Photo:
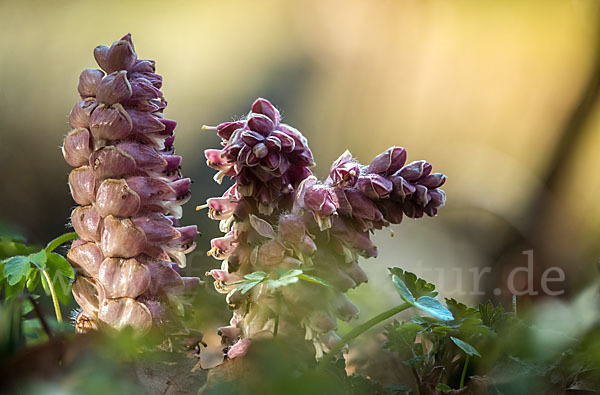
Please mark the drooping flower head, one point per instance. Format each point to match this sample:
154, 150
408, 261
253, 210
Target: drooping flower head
130, 190
292, 242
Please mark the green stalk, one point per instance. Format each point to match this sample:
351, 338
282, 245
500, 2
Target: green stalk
359, 330
464, 372
60, 240
275, 330
53, 293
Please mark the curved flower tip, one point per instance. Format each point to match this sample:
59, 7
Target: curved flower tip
388, 162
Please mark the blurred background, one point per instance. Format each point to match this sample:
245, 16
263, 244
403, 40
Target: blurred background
500, 96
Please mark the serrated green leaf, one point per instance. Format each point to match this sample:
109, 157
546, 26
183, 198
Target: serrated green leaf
401, 338
256, 276
38, 259
491, 316
433, 307
443, 387
405, 293
466, 347
15, 269
58, 262
460, 311
417, 286
314, 279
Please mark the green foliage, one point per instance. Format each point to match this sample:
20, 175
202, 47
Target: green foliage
534, 355
285, 278
30, 270
419, 293
417, 287
466, 347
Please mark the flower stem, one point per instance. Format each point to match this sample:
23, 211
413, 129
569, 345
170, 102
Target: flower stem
275, 330
60, 240
464, 372
359, 330
53, 293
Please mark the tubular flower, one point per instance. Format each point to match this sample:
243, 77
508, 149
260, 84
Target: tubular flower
292, 242
130, 190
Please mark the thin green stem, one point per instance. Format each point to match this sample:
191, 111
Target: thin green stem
359, 330
464, 372
60, 240
54, 298
276, 328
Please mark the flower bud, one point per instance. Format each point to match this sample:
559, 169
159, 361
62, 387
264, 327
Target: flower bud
122, 312
88, 81
77, 147
82, 184
415, 170
114, 197
114, 88
81, 112
110, 123
374, 186
123, 277
344, 171
388, 162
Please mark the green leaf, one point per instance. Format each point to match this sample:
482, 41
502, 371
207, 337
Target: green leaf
444, 387
417, 286
33, 280
27, 305
410, 287
60, 240
433, 307
401, 338
62, 287
290, 273
314, 279
38, 259
282, 282
491, 316
12, 290
405, 293
58, 262
460, 311
60, 283
285, 278
15, 269
247, 286
466, 347
259, 276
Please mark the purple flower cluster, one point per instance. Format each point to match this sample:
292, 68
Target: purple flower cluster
130, 190
292, 243
266, 158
